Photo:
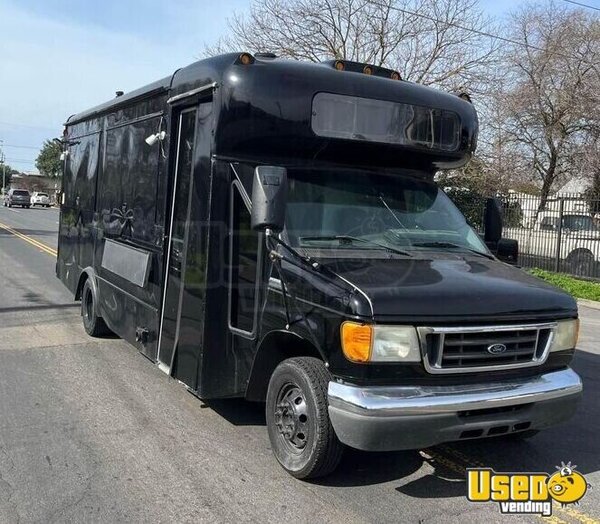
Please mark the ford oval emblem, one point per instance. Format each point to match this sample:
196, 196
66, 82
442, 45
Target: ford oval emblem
496, 349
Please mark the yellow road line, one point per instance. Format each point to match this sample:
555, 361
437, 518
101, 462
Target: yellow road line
30, 240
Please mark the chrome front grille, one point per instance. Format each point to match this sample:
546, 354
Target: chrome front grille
484, 348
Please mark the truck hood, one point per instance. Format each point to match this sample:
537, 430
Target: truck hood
436, 288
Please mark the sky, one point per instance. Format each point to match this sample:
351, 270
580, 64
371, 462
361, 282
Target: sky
58, 57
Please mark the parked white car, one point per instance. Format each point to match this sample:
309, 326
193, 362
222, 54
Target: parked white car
579, 241
40, 199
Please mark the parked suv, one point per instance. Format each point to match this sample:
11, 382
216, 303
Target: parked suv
17, 197
40, 199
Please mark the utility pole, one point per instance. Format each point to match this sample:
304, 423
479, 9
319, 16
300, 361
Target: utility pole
2, 158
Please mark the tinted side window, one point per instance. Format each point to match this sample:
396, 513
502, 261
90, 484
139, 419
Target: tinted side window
82, 167
127, 190
548, 224
243, 265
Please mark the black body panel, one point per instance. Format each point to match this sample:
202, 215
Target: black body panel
118, 187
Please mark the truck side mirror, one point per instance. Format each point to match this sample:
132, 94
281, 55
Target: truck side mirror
492, 222
269, 198
507, 250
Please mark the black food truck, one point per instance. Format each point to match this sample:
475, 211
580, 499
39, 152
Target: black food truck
270, 229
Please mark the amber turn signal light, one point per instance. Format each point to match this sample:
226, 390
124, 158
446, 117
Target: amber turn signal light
356, 341
339, 65
245, 59
368, 70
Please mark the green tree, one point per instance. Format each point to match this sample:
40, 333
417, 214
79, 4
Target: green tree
48, 161
7, 171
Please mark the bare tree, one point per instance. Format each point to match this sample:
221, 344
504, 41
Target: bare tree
434, 42
551, 103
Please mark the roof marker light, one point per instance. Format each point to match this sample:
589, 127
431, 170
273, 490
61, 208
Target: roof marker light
465, 96
368, 70
245, 59
339, 65
395, 75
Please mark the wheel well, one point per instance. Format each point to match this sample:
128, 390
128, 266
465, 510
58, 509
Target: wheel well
276, 347
82, 278
580, 251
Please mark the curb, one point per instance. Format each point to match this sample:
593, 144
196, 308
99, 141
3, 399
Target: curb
588, 303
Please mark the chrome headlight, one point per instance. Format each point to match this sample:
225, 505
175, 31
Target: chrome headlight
565, 335
395, 344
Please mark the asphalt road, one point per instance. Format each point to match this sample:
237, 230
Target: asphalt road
91, 431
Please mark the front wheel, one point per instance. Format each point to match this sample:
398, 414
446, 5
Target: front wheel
301, 434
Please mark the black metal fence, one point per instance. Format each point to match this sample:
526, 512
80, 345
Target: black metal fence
563, 235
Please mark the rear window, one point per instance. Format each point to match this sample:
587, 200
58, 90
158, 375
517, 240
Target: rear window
21, 193
365, 119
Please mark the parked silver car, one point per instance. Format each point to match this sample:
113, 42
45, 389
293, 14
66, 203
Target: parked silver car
17, 197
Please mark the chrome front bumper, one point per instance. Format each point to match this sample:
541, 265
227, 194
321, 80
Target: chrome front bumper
382, 418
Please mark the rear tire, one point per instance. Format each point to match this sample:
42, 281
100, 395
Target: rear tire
581, 263
301, 434
92, 323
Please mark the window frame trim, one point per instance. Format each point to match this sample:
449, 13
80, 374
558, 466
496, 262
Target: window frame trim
236, 184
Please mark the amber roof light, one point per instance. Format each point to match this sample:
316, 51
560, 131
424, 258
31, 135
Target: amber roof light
246, 59
339, 65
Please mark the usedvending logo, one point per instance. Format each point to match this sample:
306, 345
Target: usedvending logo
527, 493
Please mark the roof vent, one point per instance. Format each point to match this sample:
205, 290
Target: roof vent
119, 93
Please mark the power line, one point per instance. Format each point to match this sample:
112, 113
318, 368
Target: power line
4, 122
20, 160
21, 146
582, 5
482, 33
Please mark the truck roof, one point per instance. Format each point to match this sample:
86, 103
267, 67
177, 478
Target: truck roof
266, 102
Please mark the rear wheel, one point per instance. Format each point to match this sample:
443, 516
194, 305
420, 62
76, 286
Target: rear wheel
92, 323
581, 263
301, 434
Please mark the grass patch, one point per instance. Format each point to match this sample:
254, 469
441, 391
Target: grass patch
576, 287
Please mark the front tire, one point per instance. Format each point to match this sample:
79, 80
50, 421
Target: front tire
92, 323
301, 434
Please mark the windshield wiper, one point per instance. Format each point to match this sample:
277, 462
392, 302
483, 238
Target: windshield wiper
347, 239
452, 246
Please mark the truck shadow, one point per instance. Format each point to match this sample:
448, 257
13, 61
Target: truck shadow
445, 465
